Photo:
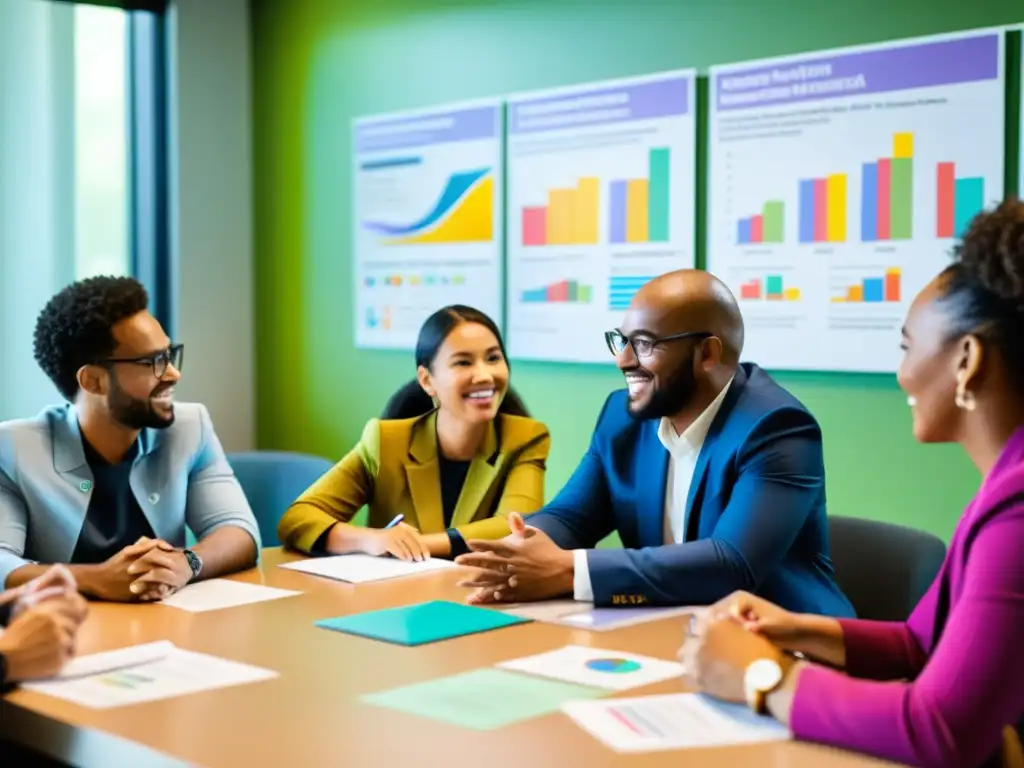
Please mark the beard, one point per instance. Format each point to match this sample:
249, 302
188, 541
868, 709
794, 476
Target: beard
670, 399
133, 413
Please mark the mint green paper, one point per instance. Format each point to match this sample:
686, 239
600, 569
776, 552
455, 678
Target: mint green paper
483, 699
423, 623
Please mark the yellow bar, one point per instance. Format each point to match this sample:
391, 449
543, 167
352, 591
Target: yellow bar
855, 293
636, 211
792, 294
585, 211
838, 299
835, 195
559, 222
902, 145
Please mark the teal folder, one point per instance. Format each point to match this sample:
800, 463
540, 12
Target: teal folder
423, 623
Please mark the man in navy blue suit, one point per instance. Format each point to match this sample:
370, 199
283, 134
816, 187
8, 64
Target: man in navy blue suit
711, 473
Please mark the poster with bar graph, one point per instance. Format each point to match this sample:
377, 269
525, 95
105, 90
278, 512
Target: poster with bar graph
427, 218
599, 201
839, 182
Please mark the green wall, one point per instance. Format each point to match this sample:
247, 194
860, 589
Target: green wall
319, 63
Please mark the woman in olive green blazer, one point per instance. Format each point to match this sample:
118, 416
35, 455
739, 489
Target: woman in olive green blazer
452, 474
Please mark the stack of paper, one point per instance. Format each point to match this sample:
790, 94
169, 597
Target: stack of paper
597, 667
672, 721
144, 673
216, 594
360, 569
581, 615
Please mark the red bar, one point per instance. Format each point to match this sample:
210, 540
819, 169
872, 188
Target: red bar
751, 289
820, 211
946, 199
535, 226
884, 190
757, 229
559, 291
892, 285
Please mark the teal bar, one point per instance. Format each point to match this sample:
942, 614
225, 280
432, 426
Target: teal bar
657, 195
970, 199
773, 286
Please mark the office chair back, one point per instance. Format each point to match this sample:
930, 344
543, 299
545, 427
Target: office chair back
272, 480
883, 568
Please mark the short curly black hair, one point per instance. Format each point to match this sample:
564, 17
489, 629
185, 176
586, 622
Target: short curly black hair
75, 326
984, 287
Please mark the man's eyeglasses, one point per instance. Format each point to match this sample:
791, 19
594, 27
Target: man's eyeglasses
643, 346
173, 355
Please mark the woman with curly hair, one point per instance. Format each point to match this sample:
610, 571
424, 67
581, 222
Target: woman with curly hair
946, 687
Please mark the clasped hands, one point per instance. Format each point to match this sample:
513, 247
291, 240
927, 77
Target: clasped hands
526, 565
148, 570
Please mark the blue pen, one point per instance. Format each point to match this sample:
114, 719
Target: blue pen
396, 521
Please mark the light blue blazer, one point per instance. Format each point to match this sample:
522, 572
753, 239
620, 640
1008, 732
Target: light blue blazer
180, 476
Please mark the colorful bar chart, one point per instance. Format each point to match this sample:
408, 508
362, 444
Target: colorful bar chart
562, 292
772, 288
622, 288
959, 201
765, 227
638, 209
569, 218
887, 193
873, 290
822, 211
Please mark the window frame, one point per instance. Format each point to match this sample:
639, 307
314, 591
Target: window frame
148, 134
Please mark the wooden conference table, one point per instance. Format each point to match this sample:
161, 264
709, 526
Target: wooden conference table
311, 716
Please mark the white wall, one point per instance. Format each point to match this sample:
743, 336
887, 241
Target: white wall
211, 205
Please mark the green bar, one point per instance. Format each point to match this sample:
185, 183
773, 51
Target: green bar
657, 196
969, 197
901, 198
771, 226
584, 294
773, 285
570, 290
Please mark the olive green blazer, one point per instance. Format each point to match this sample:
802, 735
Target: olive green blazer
394, 469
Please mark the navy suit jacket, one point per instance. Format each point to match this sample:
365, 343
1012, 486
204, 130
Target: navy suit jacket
755, 511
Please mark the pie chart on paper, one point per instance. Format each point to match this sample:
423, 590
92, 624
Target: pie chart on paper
613, 665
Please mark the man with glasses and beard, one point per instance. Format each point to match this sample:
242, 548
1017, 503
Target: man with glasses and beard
711, 473
107, 482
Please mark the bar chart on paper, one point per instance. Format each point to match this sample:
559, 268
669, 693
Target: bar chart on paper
839, 183
599, 202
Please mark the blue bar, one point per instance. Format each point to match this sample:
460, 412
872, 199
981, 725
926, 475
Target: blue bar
622, 289
806, 210
869, 203
969, 199
535, 295
617, 212
389, 162
744, 231
874, 289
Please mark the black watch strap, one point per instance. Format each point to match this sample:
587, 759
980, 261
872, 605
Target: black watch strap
194, 562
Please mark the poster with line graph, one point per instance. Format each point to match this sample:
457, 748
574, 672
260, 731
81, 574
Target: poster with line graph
599, 201
427, 218
839, 182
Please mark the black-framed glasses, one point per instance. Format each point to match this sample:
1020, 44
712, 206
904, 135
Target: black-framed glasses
159, 362
643, 346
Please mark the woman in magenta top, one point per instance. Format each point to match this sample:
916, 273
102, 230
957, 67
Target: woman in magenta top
946, 688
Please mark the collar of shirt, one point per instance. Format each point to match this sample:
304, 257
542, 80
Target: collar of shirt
693, 436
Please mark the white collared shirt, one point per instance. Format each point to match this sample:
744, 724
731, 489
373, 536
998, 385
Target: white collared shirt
683, 450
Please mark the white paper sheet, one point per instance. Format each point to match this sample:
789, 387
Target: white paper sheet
108, 661
583, 615
672, 721
597, 667
177, 673
360, 569
215, 594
